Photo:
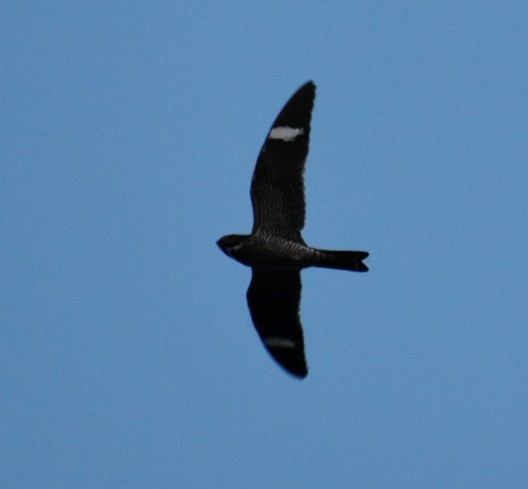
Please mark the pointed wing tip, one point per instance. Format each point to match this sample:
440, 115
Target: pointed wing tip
305, 92
297, 369
294, 364
309, 86
300, 375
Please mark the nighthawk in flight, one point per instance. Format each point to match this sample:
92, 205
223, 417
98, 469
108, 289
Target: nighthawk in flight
275, 249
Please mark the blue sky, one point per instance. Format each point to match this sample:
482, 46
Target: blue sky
129, 136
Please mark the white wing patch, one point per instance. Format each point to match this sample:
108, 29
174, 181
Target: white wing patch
277, 342
287, 134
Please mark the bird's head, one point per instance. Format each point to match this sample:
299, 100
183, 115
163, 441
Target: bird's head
231, 243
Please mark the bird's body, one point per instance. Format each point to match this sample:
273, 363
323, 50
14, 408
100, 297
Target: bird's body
275, 250
260, 250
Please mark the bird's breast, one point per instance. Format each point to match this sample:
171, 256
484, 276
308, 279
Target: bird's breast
271, 251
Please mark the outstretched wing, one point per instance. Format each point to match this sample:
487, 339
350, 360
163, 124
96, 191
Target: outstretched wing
274, 298
277, 188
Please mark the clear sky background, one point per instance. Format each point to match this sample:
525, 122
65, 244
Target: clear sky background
129, 133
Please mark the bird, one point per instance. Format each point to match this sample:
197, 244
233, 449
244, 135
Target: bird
275, 249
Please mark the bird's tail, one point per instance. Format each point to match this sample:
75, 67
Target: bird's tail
341, 260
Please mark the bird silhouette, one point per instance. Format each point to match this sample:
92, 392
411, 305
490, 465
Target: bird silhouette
275, 249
